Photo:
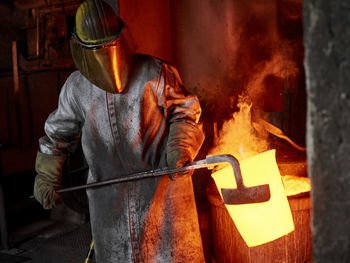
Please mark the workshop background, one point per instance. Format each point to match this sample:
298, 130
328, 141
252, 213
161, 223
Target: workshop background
224, 50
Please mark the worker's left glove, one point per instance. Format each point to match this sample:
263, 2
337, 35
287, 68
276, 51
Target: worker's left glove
183, 144
47, 181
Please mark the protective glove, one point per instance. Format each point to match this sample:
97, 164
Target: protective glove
184, 141
47, 181
177, 159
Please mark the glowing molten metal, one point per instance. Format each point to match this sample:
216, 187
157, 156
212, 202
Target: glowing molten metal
261, 222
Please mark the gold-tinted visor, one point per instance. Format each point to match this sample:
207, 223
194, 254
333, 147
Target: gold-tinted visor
103, 65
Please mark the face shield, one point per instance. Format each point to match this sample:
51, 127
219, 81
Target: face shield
105, 64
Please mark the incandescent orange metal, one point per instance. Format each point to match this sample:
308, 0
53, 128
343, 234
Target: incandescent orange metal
261, 222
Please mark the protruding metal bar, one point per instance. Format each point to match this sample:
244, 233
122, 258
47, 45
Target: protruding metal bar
138, 176
240, 195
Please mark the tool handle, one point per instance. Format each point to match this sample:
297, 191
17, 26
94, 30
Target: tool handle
205, 163
137, 176
233, 162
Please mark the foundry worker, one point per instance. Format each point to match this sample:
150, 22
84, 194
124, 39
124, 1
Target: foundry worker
132, 115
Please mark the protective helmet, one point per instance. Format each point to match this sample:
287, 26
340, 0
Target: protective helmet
96, 23
98, 50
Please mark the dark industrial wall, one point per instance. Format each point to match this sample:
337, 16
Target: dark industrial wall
327, 63
225, 47
10, 30
149, 26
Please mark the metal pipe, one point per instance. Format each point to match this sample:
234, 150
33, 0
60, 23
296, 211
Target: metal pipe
15, 69
37, 19
16, 92
138, 176
241, 195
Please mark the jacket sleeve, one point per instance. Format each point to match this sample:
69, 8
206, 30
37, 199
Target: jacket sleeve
182, 111
63, 126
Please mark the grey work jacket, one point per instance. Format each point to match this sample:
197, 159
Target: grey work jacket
150, 220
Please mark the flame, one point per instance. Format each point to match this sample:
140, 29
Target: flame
261, 222
257, 223
238, 137
116, 68
294, 185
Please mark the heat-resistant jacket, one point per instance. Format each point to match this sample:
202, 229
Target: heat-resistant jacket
150, 220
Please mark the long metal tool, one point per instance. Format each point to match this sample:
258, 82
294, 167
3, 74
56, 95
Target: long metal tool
240, 195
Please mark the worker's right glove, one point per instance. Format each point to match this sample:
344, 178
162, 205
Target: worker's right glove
177, 159
47, 181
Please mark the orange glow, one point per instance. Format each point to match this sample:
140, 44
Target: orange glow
116, 68
294, 185
261, 222
238, 137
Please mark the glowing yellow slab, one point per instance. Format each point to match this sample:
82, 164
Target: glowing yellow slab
259, 223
